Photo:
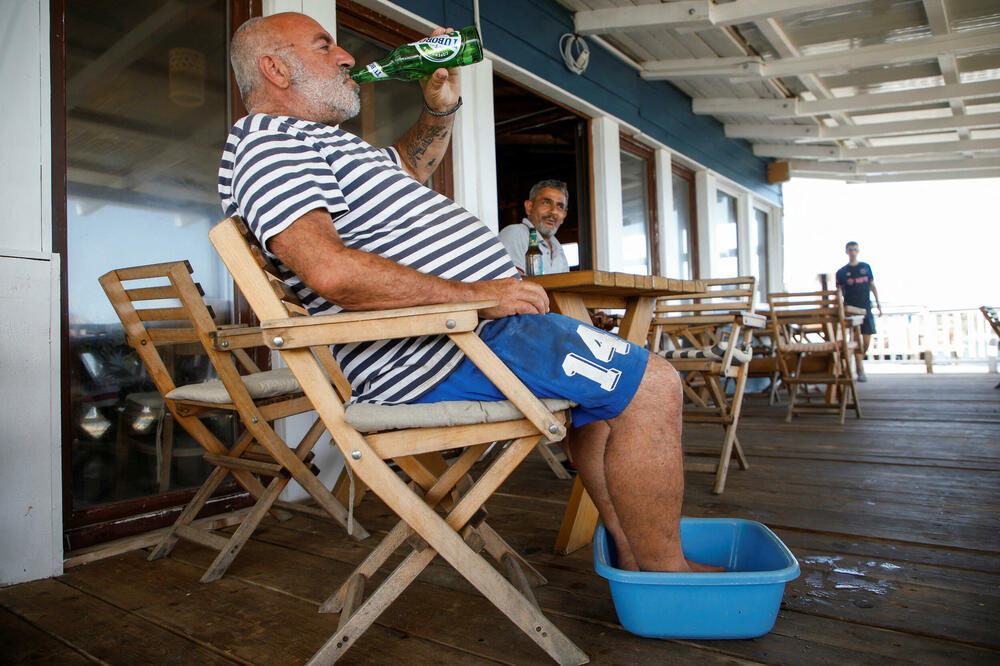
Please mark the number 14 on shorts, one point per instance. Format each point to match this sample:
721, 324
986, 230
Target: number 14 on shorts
603, 346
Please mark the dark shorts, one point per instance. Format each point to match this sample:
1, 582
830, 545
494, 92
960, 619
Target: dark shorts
555, 357
868, 325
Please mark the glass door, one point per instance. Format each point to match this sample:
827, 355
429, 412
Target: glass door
147, 98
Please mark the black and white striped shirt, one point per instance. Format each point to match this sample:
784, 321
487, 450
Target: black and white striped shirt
276, 169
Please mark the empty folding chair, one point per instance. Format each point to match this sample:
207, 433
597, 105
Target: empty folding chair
814, 347
711, 338
172, 311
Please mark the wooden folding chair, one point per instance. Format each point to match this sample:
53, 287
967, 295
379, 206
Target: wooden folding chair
172, 311
711, 338
411, 435
814, 347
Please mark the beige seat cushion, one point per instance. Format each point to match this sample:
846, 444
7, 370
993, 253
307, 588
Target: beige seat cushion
259, 385
367, 417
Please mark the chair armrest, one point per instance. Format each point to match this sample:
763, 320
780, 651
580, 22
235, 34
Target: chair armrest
752, 320
228, 339
854, 310
346, 327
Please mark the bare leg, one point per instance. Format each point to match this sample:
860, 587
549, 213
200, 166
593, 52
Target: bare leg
642, 486
588, 444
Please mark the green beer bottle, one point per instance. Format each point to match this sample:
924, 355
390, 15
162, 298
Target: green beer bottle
419, 59
533, 257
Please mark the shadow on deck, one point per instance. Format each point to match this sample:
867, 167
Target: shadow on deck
894, 520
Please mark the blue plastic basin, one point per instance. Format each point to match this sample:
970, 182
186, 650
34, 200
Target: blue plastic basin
741, 602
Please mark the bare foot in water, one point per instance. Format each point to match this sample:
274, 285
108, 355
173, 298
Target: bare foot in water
702, 568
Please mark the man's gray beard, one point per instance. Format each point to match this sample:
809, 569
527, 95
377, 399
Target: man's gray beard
544, 233
329, 101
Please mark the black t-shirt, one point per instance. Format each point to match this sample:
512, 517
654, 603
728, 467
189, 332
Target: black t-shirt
855, 282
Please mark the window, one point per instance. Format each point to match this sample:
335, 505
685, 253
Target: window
683, 246
758, 256
639, 239
725, 221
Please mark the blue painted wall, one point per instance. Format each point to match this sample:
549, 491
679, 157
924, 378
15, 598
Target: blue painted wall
527, 32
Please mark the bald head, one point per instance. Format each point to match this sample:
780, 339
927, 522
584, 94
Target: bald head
288, 64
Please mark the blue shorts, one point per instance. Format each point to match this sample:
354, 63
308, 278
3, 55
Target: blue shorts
555, 357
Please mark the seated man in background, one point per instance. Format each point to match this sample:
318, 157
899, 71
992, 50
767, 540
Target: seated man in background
545, 210
351, 227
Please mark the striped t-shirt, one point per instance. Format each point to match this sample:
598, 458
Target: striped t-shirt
276, 169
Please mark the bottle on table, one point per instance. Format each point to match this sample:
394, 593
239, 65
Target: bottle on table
533, 257
420, 59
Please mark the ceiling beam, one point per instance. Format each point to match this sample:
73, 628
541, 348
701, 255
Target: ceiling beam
965, 164
937, 18
944, 175
825, 63
691, 14
791, 108
806, 133
838, 153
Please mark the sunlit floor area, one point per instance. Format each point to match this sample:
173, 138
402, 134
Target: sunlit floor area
894, 518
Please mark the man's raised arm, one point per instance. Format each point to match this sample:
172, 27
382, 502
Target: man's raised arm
357, 280
423, 146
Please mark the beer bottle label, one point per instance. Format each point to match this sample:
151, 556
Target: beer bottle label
376, 71
441, 48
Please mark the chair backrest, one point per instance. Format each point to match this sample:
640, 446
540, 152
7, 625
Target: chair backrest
264, 288
822, 309
722, 296
709, 309
155, 316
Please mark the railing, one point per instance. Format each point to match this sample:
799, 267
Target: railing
922, 335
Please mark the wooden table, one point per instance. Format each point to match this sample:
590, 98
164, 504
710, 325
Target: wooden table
571, 294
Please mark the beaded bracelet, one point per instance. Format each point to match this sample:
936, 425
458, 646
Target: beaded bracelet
439, 114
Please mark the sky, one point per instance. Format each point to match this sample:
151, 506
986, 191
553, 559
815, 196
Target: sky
930, 243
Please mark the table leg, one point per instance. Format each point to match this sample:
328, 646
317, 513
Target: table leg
578, 522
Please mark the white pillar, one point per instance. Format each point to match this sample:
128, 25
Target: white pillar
776, 251
324, 11
666, 221
473, 146
606, 158
743, 220
704, 194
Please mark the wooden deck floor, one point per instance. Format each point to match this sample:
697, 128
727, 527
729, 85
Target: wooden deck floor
895, 520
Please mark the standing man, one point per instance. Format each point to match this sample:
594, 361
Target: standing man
546, 207
352, 228
856, 282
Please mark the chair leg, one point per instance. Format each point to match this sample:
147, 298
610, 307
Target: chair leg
793, 390
500, 550
242, 534
552, 461
472, 567
189, 513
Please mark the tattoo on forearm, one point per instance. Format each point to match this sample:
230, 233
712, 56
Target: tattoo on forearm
423, 139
